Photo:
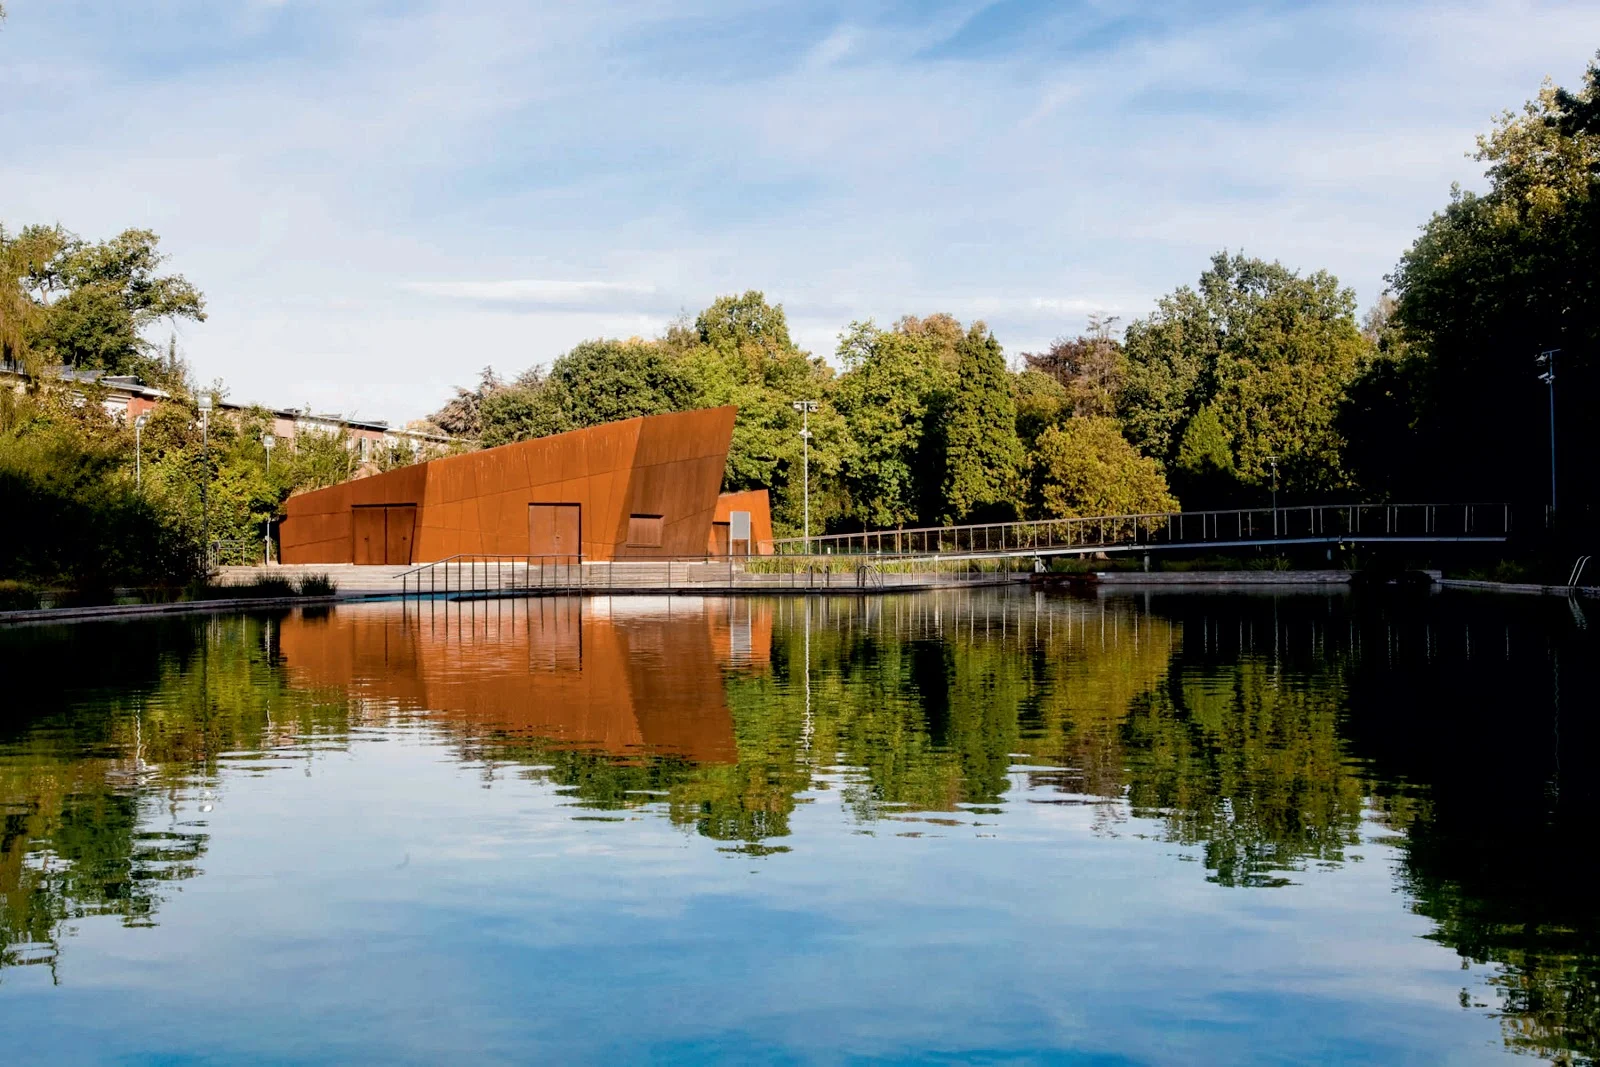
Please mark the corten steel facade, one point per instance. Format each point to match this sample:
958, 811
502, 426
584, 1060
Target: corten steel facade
639, 489
754, 503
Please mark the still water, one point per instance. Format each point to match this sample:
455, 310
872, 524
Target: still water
982, 825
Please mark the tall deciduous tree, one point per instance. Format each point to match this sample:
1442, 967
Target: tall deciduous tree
1270, 350
738, 351
983, 458
889, 395
97, 299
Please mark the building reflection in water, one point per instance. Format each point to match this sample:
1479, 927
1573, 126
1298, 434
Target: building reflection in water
623, 676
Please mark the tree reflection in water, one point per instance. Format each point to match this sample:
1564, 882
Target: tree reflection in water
1263, 731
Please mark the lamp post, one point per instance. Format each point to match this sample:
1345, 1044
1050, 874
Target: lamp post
267, 441
1547, 360
805, 408
204, 403
138, 451
1272, 461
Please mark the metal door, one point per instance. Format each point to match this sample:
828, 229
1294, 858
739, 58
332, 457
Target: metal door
367, 532
554, 530
400, 522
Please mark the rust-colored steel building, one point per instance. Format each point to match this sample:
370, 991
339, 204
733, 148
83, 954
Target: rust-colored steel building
638, 489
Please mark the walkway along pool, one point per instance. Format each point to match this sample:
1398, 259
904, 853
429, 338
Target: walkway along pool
967, 823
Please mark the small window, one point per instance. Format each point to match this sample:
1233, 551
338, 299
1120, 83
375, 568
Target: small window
644, 531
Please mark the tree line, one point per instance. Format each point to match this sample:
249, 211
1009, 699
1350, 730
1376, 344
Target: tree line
1257, 375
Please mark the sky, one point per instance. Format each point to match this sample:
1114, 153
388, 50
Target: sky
380, 199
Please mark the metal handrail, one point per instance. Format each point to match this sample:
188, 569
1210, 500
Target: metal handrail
496, 574
1239, 525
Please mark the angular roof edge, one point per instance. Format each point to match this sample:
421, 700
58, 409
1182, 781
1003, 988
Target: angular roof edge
415, 469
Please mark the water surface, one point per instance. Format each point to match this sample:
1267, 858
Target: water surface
969, 825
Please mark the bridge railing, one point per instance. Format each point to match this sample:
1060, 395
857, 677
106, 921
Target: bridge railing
1240, 526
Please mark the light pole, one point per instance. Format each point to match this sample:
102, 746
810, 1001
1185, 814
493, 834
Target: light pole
805, 408
138, 451
267, 441
204, 403
1547, 360
1272, 461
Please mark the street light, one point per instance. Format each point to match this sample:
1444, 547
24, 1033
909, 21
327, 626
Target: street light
1272, 461
1547, 360
138, 451
805, 408
204, 403
267, 441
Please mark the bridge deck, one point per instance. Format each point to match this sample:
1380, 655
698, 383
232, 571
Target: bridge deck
1173, 531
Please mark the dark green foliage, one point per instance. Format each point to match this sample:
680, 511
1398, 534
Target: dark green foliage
90, 302
1203, 473
1493, 280
983, 458
520, 413
596, 382
604, 381
1271, 351
889, 396
71, 514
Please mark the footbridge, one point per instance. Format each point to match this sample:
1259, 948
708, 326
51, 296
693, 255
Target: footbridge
1172, 531
924, 557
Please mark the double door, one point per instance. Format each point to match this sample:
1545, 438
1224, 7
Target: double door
554, 531
382, 533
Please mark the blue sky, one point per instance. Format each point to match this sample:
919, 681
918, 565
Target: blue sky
380, 198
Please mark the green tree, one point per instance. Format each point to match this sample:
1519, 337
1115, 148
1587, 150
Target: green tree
98, 298
1086, 467
73, 516
1271, 350
22, 256
462, 414
1203, 471
983, 458
606, 381
738, 351
1492, 280
891, 384
1041, 402
596, 382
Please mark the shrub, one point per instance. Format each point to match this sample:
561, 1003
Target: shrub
317, 585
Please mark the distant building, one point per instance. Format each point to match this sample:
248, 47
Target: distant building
644, 488
126, 397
